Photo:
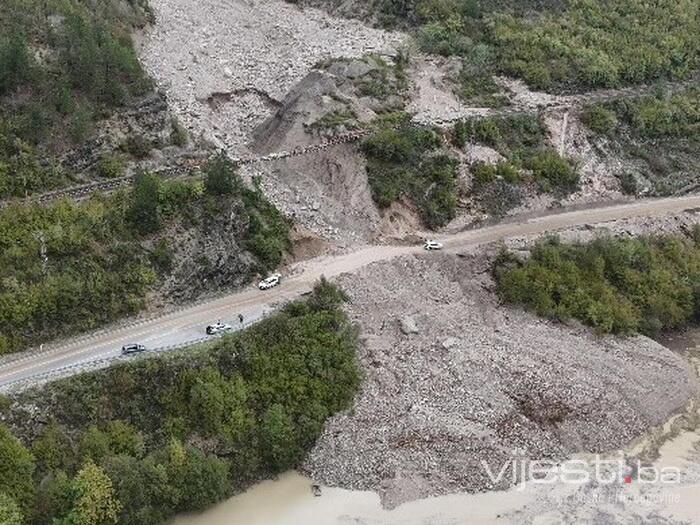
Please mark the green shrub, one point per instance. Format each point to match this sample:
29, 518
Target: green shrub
268, 230
554, 172
402, 162
16, 471
162, 257
438, 39
435, 191
599, 119
138, 146
220, 179
110, 166
483, 173
14, 63
144, 212
486, 173
628, 183
677, 115
510, 136
178, 134
22, 172
615, 285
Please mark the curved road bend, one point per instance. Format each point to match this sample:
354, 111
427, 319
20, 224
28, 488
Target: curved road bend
188, 324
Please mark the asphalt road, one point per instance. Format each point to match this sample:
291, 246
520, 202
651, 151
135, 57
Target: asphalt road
188, 324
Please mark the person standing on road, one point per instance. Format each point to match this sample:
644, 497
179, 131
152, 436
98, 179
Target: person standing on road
240, 318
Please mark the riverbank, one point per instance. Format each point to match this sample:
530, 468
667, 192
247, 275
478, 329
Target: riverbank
289, 500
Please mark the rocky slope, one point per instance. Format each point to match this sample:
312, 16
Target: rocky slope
259, 77
246, 54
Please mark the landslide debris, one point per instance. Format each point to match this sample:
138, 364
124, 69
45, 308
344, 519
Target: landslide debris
196, 50
480, 382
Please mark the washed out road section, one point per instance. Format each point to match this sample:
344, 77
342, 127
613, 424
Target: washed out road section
189, 324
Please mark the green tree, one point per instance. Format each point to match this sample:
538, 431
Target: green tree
53, 449
278, 439
198, 479
94, 498
10, 513
144, 212
124, 439
144, 487
14, 62
94, 445
221, 176
16, 470
54, 497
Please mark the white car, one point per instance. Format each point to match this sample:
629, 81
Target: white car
218, 328
432, 245
133, 348
272, 281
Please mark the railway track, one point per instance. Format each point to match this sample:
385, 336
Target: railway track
561, 103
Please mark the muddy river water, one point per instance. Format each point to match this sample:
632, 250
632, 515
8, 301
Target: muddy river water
289, 500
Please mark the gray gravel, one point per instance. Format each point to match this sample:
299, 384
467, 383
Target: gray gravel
480, 382
250, 52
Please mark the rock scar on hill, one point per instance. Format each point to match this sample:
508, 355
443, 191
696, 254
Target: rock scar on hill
252, 51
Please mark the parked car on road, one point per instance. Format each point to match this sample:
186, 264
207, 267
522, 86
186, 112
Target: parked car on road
432, 245
272, 281
218, 328
132, 348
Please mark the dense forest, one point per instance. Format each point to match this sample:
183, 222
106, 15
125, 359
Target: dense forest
73, 266
144, 440
618, 285
64, 66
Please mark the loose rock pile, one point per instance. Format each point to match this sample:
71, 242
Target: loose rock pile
254, 50
467, 381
